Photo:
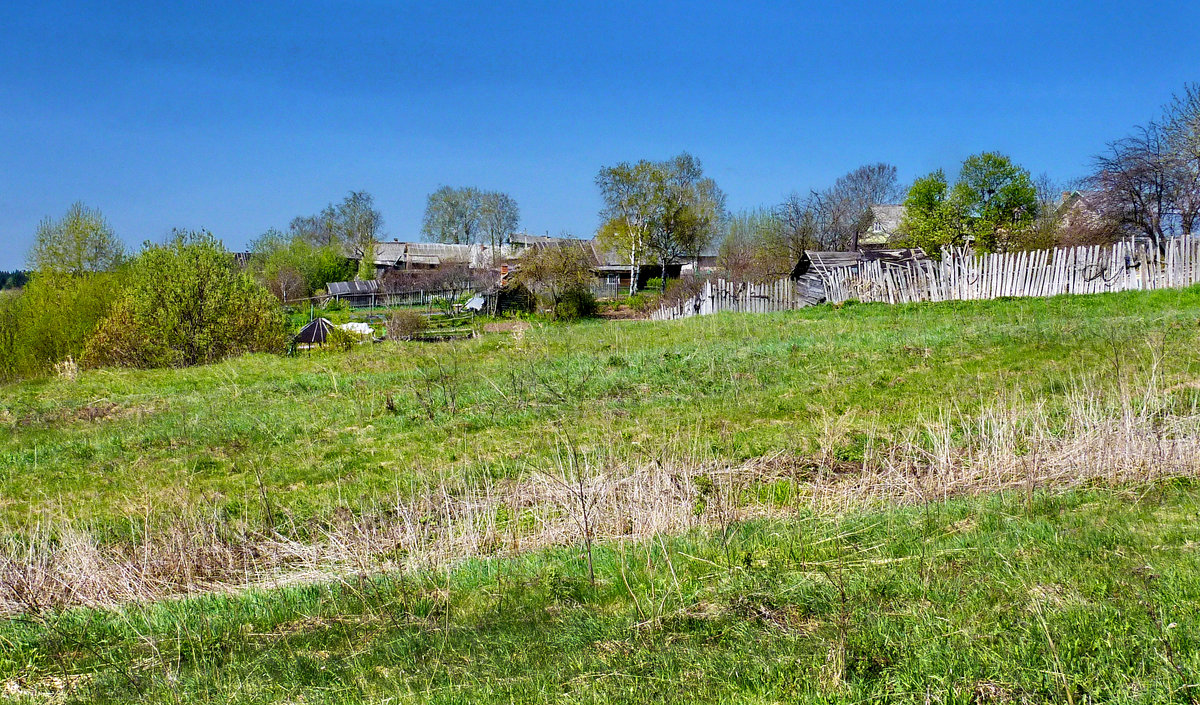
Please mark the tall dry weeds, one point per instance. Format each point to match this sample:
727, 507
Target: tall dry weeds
1020, 447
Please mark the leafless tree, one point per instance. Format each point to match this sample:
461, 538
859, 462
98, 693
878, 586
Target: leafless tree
754, 248
286, 283
1149, 183
849, 201
499, 217
835, 218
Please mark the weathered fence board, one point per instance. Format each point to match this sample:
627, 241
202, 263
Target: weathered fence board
963, 275
1077, 270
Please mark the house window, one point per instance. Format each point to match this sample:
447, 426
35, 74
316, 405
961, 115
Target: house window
613, 280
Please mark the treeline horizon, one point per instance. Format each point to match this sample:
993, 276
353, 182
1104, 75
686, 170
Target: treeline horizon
80, 277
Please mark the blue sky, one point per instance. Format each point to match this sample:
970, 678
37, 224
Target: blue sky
237, 116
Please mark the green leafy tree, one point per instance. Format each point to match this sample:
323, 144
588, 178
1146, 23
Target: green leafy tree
659, 211
929, 221
691, 210
80, 241
630, 193
291, 267
187, 303
993, 205
995, 199
366, 262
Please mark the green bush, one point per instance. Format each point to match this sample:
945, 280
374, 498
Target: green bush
642, 302
52, 319
654, 284
186, 303
575, 303
340, 339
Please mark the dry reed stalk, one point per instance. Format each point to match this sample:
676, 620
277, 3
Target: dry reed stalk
1013, 448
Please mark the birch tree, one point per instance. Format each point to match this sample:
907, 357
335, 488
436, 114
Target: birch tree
81, 241
631, 203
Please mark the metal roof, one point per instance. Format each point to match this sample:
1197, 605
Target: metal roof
355, 287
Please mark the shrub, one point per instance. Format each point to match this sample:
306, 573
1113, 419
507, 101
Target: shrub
187, 303
341, 339
404, 324
575, 303
654, 284
52, 319
682, 289
642, 302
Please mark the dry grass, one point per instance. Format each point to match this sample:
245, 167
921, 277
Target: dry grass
583, 499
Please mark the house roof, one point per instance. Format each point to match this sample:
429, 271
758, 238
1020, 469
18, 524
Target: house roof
399, 254
822, 262
526, 239
355, 287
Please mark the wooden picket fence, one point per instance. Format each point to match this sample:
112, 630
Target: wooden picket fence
962, 275
721, 295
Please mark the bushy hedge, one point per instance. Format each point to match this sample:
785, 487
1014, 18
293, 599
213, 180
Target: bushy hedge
52, 319
575, 303
186, 303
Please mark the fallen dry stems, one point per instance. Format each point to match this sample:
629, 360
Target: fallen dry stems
1019, 448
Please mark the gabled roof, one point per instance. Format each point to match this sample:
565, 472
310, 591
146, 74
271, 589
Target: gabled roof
887, 216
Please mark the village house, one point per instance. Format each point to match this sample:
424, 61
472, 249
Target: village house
885, 226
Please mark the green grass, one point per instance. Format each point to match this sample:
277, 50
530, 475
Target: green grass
1091, 596
1087, 595
315, 432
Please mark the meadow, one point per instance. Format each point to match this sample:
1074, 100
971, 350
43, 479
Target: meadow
319, 431
1085, 596
961, 502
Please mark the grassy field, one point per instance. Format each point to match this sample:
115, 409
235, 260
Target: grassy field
1086, 596
952, 503
316, 433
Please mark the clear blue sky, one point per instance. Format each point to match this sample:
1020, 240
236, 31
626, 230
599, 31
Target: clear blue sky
237, 116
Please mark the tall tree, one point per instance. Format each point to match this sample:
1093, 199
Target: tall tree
690, 214
992, 205
453, 216
849, 202
349, 225
631, 201
664, 211
356, 220
929, 221
499, 217
81, 241
1149, 183
1183, 140
996, 198
836, 217
797, 229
